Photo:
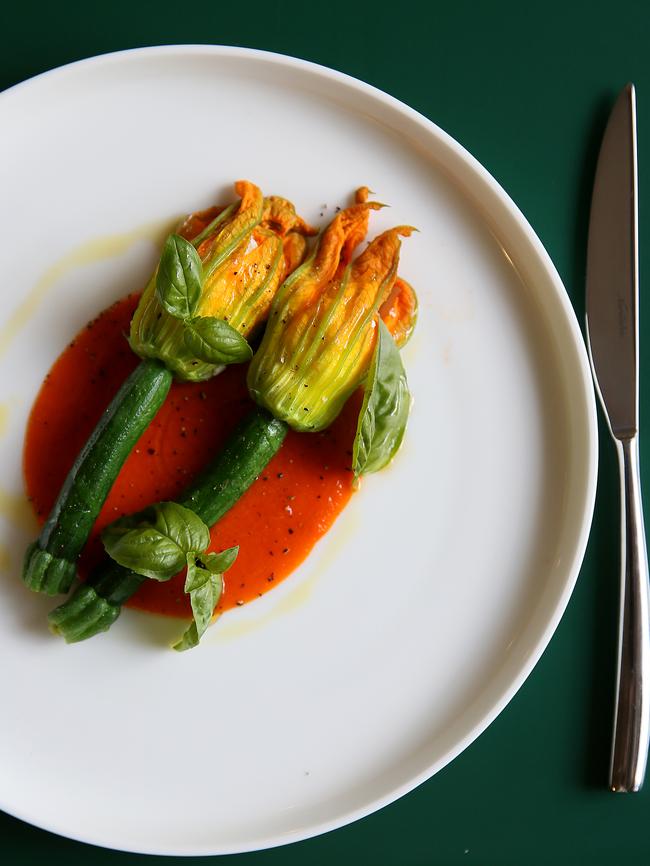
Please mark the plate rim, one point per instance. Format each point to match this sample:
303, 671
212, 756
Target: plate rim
590, 419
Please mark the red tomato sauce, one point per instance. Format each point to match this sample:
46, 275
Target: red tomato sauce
276, 522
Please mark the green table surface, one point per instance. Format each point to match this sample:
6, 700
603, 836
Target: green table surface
526, 88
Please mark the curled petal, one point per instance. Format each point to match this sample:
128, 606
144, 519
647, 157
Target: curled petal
280, 216
294, 249
399, 311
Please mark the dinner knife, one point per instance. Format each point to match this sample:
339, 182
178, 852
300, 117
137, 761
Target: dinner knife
612, 328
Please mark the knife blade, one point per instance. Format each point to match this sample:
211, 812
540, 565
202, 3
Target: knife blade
612, 329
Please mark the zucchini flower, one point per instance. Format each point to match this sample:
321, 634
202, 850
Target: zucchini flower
239, 256
322, 331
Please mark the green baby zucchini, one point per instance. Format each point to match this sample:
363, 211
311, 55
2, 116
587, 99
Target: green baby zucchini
50, 562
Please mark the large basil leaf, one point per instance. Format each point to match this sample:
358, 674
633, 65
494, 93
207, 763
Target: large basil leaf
204, 583
179, 277
385, 409
215, 341
155, 542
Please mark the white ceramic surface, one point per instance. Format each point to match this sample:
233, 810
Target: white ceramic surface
420, 614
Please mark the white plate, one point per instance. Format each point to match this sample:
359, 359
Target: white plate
420, 614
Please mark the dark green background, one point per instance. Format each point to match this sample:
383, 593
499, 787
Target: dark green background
526, 88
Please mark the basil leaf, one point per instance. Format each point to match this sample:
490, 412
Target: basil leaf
189, 639
183, 526
179, 277
204, 583
215, 341
205, 589
217, 563
385, 409
144, 551
155, 542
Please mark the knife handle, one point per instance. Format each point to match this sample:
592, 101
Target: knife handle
632, 710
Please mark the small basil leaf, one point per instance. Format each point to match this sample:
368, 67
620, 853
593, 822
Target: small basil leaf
179, 277
189, 639
196, 575
217, 563
183, 526
205, 589
204, 583
385, 409
155, 542
216, 342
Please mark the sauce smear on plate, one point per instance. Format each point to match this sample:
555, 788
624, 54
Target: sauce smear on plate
276, 522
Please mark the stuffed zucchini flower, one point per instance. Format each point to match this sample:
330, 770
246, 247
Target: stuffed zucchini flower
214, 286
324, 324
